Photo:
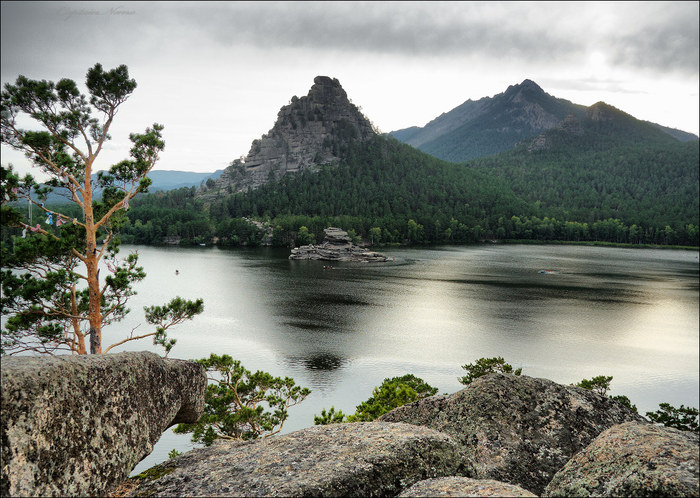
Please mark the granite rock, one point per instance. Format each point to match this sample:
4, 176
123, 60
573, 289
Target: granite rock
359, 459
76, 425
517, 429
632, 459
310, 131
336, 246
463, 486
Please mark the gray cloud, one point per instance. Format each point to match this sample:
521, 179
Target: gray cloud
646, 35
668, 41
655, 36
409, 29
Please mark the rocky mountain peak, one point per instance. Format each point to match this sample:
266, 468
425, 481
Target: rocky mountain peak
310, 131
600, 111
526, 89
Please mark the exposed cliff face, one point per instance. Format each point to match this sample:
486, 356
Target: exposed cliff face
310, 131
74, 426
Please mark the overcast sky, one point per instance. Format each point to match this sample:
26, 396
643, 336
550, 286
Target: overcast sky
216, 73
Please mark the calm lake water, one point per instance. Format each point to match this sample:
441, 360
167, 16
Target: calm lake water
629, 313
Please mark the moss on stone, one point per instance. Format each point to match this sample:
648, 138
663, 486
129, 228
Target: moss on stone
155, 472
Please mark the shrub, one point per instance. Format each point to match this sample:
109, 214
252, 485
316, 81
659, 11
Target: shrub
682, 418
242, 405
484, 366
391, 394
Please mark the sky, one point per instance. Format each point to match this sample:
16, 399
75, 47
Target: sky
215, 74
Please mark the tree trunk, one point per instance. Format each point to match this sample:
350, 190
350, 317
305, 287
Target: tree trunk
93, 272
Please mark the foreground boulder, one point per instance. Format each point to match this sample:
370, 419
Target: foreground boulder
360, 459
463, 486
337, 246
632, 459
517, 429
75, 425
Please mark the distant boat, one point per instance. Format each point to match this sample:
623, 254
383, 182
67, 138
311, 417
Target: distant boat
202, 244
546, 271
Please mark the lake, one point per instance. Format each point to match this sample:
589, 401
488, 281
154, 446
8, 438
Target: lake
629, 313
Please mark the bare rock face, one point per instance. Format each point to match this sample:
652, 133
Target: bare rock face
76, 425
632, 459
309, 131
336, 246
463, 486
359, 459
517, 429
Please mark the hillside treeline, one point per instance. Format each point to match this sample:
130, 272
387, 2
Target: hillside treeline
387, 192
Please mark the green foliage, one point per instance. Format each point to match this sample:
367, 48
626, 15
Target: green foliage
392, 393
387, 192
484, 366
599, 384
621, 398
631, 192
305, 238
682, 418
174, 453
242, 405
163, 317
329, 417
53, 295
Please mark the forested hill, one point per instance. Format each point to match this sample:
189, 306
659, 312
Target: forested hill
384, 183
384, 191
606, 165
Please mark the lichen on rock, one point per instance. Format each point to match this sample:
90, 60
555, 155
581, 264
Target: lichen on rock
76, 425
517, 429
360, 459
632, 459
463, 486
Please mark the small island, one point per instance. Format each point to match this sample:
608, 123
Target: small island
337, 246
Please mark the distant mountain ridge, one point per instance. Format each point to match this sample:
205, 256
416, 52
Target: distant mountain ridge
163, 180
496, 124
172, 179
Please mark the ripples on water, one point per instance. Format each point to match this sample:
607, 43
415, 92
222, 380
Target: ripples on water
629, 313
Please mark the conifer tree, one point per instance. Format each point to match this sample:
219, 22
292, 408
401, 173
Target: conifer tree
53, 296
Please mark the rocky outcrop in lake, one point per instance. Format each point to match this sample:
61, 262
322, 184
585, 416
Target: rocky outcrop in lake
632, 459
337, 246
76, 425
517, 429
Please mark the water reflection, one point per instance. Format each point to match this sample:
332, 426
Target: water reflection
632, 314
